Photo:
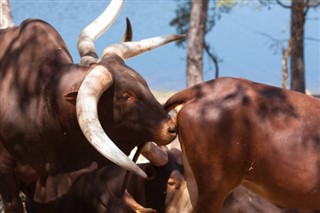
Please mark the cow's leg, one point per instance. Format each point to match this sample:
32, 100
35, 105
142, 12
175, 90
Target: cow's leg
210, 201
211, 191
214, 185
134, 205
217, 171
10, 192
216, 147
9, 186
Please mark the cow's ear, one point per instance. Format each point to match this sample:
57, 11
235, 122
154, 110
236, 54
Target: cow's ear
71, 97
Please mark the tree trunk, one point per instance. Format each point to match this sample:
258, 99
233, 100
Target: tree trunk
197, 28
5, 15
297, 46
285, 54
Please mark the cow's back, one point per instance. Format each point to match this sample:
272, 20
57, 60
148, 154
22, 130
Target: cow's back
263, 137
34, 42
31, 57
33, 62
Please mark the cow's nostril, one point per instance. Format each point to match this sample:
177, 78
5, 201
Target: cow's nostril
172, 130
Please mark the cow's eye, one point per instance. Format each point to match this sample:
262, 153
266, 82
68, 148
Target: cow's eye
171, 183
125, 96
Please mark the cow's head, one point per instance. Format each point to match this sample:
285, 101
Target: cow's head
128, 111
165, 175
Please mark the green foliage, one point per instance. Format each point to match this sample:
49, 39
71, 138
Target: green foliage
216, 9
226, 5
182, 19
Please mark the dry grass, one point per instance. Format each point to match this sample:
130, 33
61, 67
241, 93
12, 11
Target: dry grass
162, 96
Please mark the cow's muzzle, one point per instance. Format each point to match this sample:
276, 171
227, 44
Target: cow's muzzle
168, 133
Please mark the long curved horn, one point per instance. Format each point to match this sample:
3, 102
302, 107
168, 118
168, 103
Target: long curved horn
127, 50
6, 20
96, 82
94, 30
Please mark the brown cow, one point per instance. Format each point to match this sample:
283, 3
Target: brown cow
240, 200
236, 132
101, 190
44, 136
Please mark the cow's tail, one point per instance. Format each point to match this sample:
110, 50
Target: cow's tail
178, 100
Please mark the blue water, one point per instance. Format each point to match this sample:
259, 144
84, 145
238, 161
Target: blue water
236, 38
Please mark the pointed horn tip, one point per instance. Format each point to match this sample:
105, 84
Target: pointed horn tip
141, 173
128, 23
178, 37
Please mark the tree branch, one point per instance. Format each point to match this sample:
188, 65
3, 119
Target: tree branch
283, 5
213, 58
309, 5
307, 8
276, 44
317, 4
312, 39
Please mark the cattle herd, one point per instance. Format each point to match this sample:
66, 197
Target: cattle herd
66, 130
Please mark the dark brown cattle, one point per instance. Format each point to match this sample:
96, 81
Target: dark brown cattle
243, 200
240, 200
236, 132
44, 136
101, 190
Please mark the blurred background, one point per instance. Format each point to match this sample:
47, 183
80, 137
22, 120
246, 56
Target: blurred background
246, 38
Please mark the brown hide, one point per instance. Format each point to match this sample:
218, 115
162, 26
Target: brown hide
241, 200
234, 131
100, 191
42, 149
